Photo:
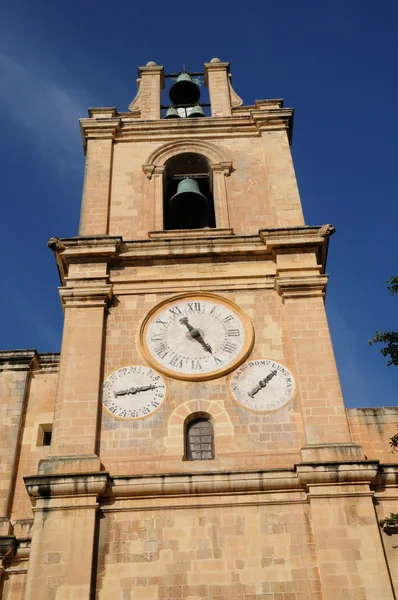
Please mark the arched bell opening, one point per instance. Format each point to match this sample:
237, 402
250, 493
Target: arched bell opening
188, 197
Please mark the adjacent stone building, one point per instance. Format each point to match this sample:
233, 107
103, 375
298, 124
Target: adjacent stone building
190, 440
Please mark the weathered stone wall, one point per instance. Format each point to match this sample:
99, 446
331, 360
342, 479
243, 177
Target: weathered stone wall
252, 549
372, 428
242, 438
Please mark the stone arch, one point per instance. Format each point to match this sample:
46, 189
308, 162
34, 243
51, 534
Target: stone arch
220, 167
222, 425
215, 155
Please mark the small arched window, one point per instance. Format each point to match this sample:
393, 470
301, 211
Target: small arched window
194, 211
199, 440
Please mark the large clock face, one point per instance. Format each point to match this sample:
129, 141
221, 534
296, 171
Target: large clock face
196, 336
133, 392
262, 385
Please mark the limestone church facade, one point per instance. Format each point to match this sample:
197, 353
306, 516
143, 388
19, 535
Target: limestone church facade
190, 440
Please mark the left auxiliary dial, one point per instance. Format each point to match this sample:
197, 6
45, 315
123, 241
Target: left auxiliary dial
133, 392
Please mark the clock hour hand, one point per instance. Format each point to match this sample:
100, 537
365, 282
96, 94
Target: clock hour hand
195, 334
134, 390
261, 384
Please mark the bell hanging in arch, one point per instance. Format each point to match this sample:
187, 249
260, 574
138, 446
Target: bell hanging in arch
172, 113
188, 208
196, 112
184, 90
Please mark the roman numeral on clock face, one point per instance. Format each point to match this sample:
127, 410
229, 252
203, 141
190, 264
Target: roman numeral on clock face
176, 361
194, 306
233, 333
175, 311
228, 347
162, 350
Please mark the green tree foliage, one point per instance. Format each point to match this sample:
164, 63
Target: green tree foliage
389, 339
390, 348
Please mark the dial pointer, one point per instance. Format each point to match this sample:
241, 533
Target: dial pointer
195, 334
135, 390
262, 383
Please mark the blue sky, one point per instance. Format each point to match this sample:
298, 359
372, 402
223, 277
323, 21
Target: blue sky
335, 62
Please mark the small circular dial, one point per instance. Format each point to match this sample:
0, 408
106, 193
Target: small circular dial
133, 392
196, 337
262, 385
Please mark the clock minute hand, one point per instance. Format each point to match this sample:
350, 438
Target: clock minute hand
132, 390
195, 334
135, 390
145, 388
262, 383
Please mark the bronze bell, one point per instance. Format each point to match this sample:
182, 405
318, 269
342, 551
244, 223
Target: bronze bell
184, 91
188, 208
196, 112
172, 113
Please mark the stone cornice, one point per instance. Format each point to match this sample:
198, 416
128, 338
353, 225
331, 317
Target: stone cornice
48, 486
301, 286
194, 484
106, 123
321, 479
300, 237
8, 545
95, 295
274, 119
313, 474
17, 360
26, 360
201, 243
88, 248
99, 127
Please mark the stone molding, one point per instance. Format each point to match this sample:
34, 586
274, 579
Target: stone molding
8, 546
247, 121
387, 475
299, 237
49, 486
219, 241
86, 296
275, 119
17, 360
214, 154
301, 287
330, 478
315, 473
311, 453
94, 129
183, 234
88, 248
193, 484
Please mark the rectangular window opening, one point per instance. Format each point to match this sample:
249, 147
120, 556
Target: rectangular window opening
45, 433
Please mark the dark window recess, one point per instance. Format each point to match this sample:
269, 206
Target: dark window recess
199, 439
47, 438
190, 206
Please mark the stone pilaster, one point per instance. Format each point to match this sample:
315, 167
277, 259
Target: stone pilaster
216, 79
76, 415
146, 104
350, 555
98, 135
15, 366
63, 540
275, 124
323, 412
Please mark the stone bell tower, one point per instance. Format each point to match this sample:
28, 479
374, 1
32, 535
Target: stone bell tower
200, 448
